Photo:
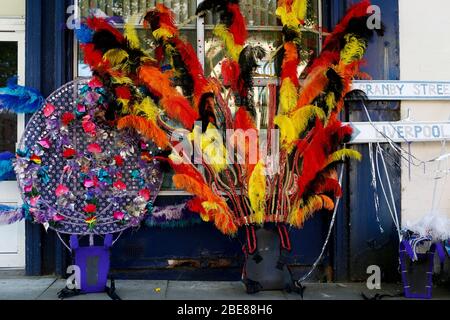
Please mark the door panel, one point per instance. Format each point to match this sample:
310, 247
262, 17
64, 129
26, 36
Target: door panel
12, 238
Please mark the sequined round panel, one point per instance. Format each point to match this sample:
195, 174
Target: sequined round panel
80, 175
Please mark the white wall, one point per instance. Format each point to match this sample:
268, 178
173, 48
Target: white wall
425, 55
12, 8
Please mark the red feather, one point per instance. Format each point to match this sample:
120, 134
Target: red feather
92, 57
244, 121
290, 63
98, 24
238, 27
164, 17
230, 73
193, 65
356, 11
328, 185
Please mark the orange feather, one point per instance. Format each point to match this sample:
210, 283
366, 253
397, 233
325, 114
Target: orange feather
146, 128
175, 105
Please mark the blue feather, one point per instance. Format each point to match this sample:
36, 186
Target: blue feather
6, 167
84, 34
10, 215
20, 99
7, 155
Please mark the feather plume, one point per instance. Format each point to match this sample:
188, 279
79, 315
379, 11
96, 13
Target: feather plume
257, 192
178, 107
234, 50
132, 36
328, 203
248, 62
353, 50
328, 185
116, 57
288, 96
290, 63
213, 149
100, 24
230, 74
6, 166
238, 27
147, 128
342, 154
244, 123
299, 215
161, 20
194, 68
314, 85
10, 215
357, 12
93, 57
293, 125
147, 108
84, 34
175, 105
216, 207
20, 99
288, 134
303, 116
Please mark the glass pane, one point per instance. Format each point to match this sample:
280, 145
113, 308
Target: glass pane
123, 9
265, 31
8, 121
146, 43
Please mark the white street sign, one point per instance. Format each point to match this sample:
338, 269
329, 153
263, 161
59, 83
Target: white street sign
400, 132
404, 90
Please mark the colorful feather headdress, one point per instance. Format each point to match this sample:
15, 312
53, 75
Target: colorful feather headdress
164, 105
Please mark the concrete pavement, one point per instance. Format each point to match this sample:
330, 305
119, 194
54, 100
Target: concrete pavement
16, 287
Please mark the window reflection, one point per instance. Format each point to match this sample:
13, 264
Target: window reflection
8, 121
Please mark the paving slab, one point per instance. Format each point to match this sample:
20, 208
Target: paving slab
24, 288
125, 289
187, 290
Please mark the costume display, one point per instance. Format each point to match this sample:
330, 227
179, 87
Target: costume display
90, 162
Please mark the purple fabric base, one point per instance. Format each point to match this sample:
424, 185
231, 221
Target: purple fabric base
94, 265
406, 252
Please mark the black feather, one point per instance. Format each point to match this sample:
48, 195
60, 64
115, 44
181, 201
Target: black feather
104, 41
248, 62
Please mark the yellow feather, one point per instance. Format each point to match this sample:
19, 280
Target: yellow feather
330, 101
288, 134
209, 206
162, 33
148, 108
342, 154
121, 80
294, 125
296, 217
288, 19
115, 57
354, 49
132, 36
300, 8
301, 117
288, 96
300, 214
125, 106
257, 192
233, 49
213, 148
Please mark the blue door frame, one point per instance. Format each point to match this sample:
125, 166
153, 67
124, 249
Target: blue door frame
144, 253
